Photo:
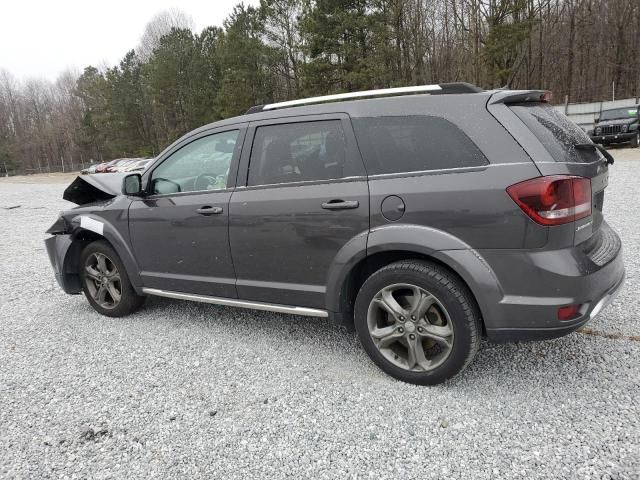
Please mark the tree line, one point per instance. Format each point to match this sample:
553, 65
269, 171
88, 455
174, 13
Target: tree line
177, 79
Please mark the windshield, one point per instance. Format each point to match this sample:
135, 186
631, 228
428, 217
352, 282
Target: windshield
619, 113
556, 132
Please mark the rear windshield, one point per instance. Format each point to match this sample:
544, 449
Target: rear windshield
556, 132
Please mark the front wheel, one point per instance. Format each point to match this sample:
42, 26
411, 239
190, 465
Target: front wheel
635, 141
417, 322
105, 281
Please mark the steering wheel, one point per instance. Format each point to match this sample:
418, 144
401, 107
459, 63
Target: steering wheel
203, 182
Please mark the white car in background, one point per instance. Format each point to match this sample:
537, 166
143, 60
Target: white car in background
137, 166
119, 165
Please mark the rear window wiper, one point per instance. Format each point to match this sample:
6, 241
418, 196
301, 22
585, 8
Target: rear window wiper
596, 147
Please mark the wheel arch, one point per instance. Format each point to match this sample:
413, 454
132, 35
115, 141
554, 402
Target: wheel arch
81, 237
419, 243
362, 270
71, 262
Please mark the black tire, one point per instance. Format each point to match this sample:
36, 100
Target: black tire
635, 141
450, 293
112, 306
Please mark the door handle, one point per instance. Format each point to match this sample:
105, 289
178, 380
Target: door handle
209, 210
340, 204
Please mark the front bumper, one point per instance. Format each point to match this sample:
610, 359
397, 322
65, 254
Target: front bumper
613, 138
58, 247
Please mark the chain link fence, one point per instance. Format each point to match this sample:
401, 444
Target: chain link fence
584, 114
8, 171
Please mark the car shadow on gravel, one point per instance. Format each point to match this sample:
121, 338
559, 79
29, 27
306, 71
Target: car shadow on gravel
553, 363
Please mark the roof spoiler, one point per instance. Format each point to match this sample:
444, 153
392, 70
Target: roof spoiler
520, 96
436, 89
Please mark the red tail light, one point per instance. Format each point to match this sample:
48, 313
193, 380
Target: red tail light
553, 200
569, 312
546, 97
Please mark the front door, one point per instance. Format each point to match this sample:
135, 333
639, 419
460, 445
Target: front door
304, 196
179, 231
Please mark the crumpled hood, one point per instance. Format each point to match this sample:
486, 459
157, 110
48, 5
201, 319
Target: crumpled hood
94, 188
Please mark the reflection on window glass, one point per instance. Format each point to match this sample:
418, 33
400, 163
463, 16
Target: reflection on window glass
402, 144
556, 132
296, 152
201, 165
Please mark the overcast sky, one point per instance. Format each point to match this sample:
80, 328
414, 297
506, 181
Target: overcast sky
41, 38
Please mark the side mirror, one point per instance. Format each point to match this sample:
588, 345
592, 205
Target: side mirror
132, 185
596, 120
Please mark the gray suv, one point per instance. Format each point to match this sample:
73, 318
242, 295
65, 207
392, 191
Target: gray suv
426, 217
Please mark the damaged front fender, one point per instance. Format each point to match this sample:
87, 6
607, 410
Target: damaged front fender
75, 232
58, 248
59, 227
102, 214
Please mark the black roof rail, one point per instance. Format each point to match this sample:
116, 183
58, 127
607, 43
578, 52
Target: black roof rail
457, 87
437, 89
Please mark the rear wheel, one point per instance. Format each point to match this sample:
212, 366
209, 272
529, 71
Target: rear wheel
417, 322
105, 281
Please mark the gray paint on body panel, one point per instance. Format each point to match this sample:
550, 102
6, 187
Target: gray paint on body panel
277, 244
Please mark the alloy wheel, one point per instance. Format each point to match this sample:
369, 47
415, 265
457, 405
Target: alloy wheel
410, 327
103, 280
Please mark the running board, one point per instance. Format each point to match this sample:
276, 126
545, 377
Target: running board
229, 302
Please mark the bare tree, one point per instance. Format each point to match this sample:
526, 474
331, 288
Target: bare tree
160, 25
576, 48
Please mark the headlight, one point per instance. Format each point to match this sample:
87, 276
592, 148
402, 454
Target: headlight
625, 128
598, 131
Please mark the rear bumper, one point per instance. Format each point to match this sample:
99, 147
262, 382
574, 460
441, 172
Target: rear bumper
535, 284
613, 138
546, 333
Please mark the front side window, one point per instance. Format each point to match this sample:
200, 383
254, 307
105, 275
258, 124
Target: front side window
402, 144
200, 165
297, 152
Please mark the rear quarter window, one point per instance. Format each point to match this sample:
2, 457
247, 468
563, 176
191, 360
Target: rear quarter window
556, 132
398, 144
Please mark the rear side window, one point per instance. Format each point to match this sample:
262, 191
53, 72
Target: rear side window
556, 132
297, 152
413, 144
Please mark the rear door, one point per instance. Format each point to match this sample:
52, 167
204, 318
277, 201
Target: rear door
302, 196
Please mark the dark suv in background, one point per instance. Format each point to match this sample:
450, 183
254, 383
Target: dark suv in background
427, 218
618, 125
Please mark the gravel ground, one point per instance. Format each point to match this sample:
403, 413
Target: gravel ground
183, 389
